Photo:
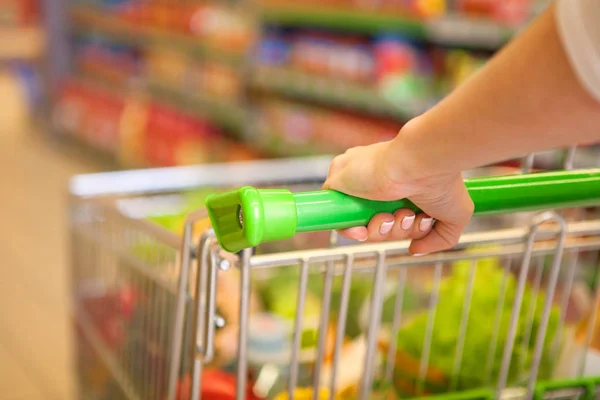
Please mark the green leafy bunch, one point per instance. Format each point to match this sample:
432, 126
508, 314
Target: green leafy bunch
280, 293
482, 328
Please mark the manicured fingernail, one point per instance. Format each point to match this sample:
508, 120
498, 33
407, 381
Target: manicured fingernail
386, 227
425, 224
407, 222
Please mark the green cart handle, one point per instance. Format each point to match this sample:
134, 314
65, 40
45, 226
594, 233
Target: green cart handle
247, 216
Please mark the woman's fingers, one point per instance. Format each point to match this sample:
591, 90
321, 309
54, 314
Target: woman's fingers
359, 233
446, 232
443, 236
380, 227
402, 225
421, 227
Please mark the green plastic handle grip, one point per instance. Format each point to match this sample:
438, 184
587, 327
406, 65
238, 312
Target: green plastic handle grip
247, 216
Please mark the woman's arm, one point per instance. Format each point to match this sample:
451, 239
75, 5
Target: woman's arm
528, 98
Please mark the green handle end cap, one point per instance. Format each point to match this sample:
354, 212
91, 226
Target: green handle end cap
247, 216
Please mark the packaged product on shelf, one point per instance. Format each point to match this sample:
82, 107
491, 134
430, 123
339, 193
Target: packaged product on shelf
337, 56
90, 114
221, 80
460, 65
19, 12
101, 128
298, 129
274, 49
107, 59
222, 27
505, 11
173, 138
337, 131
233, 152
69, 112
166, 66
418, 8
405, 8
404, 72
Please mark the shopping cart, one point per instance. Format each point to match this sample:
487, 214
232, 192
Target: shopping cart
510, 313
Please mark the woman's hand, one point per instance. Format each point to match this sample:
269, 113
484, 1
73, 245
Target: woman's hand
372, 172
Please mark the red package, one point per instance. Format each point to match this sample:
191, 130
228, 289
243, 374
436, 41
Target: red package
216, 385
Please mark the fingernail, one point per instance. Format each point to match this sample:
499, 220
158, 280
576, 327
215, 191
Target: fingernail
363, 240
407, 222
386, 227
419, 254
425, 224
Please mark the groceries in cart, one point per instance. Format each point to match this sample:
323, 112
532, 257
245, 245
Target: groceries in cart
273, 307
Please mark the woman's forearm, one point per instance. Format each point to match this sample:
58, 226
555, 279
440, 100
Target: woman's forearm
525, 99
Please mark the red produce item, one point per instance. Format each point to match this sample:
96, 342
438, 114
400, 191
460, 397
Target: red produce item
216, 385
126, 298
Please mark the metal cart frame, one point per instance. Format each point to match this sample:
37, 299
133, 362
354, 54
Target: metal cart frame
177, 281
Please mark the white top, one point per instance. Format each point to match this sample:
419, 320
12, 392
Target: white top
579, 29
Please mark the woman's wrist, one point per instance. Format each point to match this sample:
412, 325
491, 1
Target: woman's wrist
407, 158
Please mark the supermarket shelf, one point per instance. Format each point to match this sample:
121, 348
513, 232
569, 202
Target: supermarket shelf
87, 18
332, 92
226, 115
455, 30
448, 30
72, 145
19, 43
347, 20
223, 114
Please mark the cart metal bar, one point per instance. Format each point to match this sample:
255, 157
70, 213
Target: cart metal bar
244, 316
105, 354
112, 211
463, 325
374, 323
592, 324
178, 321
294, 362
570, 157
550, 289
132, 262
323, 325
396, 321
537, 281
564, 301
341, 323
512, 330
200, 319
497, 321
400, 248
171, 179
433, 302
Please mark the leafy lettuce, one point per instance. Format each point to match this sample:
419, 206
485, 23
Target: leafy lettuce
480, 332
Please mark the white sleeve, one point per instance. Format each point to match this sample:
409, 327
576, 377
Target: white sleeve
579, 29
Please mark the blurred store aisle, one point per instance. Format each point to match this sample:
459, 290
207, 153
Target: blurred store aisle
35, 336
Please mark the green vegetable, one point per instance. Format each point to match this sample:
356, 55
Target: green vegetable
280, 293
480, 330
193, 200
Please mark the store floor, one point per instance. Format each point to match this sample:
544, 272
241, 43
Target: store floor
35, 336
